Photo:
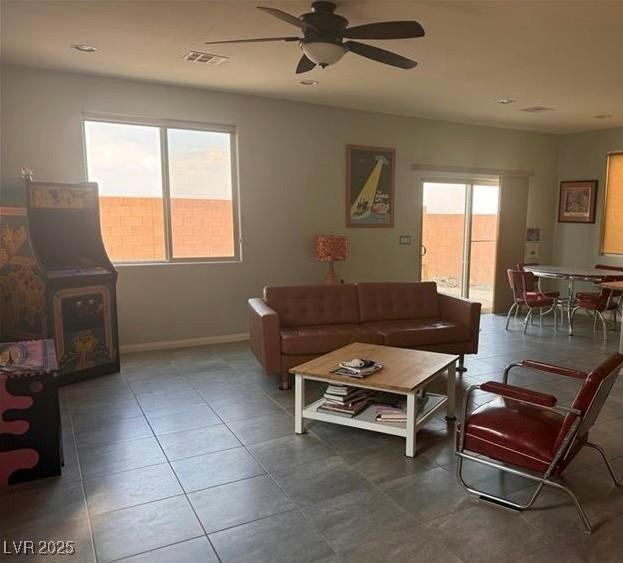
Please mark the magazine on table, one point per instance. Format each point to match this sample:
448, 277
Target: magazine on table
357, 367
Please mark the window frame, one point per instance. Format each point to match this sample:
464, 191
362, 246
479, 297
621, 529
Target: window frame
605, 206
163, 125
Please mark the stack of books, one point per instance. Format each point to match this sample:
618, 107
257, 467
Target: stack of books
388, 413
345, 399
396, 411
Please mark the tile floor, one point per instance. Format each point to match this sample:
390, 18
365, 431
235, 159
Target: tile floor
190, 455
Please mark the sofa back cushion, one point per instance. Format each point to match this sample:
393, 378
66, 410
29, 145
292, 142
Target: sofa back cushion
307, 305
396, 301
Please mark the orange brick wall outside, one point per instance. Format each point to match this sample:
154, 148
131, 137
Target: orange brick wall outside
202, 227
443, 238
132, 228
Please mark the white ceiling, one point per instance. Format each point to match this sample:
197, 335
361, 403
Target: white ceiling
557, 53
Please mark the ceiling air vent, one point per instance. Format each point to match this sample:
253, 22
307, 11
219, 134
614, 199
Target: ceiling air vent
537, 109
206, 58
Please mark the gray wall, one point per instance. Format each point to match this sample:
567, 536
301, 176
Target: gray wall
583, 157
291, 162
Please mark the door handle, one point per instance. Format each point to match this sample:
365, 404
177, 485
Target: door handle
423, 251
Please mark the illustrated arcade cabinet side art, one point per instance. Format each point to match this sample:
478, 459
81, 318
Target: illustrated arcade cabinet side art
30, 425
80, 280
23, 310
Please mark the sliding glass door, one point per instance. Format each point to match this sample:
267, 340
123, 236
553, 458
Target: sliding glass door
459, 235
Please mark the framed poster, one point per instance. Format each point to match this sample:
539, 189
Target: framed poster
369, 186
577, 201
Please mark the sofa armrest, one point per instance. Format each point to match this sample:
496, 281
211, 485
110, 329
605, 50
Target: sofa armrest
462, 311
264, 334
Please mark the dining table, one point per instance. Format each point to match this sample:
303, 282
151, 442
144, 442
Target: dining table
617, 286
570, 274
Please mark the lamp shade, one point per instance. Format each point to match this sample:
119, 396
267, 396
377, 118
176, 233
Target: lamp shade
330, 247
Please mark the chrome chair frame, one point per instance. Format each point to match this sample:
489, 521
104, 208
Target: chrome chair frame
598, 315
582, 421
517, 304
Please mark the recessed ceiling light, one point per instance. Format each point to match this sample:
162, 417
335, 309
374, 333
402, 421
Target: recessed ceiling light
603, 116
506, 101
536, 109
309, 82
84, 48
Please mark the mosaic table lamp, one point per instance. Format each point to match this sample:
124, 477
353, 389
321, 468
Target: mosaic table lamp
330, 248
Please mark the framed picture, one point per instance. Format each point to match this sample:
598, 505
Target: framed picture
577, 201
369, 186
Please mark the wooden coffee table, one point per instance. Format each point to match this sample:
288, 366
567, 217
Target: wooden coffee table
404, 373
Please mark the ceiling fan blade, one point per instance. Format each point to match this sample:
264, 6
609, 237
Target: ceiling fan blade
259, 40
305, 65
385, 30
380, 55
284, 16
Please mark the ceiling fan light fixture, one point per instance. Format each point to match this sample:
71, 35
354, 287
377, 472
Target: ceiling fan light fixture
323, 53
324, 33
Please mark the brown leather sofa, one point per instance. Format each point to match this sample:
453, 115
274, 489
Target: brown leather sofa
291, 325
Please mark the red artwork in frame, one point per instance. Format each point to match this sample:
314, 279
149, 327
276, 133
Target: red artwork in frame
578, 199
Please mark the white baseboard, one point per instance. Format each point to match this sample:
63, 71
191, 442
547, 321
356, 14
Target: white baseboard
187, 343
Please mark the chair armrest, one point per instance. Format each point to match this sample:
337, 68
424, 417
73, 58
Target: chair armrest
519, 393
264, 335
462, 311
551, 368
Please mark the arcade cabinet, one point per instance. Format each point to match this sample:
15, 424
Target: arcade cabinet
56, 280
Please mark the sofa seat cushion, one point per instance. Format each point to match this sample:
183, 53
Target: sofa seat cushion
514, 432
420, 332
322, 339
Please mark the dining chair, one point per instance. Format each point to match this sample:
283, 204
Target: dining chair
525, 294
527, 433
598, 267
532, 282
599, 303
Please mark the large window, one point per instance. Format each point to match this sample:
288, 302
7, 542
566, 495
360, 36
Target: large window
167, 193
612, 239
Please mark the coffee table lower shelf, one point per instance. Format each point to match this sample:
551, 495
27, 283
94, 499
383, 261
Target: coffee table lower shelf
366, 418
406, 373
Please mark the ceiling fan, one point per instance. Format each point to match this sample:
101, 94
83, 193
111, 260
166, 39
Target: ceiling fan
324, 32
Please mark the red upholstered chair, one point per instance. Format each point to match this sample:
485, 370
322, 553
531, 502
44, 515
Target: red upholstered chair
532, 282
525, 432
589, 294
598, 267
598, 303
525, 293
